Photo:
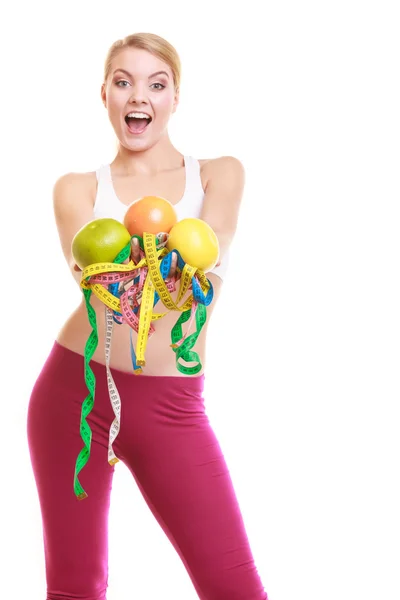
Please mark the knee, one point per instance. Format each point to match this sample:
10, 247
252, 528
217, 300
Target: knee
71, 594
83, 582
233, 591
239, 584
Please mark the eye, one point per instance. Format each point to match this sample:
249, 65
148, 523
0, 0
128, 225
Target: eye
122, 81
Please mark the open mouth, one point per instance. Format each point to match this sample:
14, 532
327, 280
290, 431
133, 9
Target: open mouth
138, 122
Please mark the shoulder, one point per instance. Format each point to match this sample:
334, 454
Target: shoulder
223, 166
74, 185
75, 180
221, 163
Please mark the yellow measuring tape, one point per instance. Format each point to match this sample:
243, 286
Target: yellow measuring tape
155, 282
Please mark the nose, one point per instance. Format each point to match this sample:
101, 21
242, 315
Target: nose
138, 94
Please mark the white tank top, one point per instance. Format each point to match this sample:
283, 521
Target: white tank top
108, 205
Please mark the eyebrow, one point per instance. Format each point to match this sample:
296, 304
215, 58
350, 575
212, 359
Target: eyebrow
150, 76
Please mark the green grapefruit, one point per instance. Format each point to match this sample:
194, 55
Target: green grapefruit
101, 240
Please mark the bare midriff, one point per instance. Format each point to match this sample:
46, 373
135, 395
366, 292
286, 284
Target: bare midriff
159, 356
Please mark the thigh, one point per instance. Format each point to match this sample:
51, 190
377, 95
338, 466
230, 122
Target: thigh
74, 531
180, 469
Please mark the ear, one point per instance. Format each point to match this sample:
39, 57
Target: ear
176, 101
103, 94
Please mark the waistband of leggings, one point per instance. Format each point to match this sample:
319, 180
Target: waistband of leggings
70, 356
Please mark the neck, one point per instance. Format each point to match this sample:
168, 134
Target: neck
162, 156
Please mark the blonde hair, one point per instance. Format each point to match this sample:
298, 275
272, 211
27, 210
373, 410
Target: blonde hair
154, 44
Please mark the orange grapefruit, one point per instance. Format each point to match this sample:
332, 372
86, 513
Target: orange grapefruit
150, 214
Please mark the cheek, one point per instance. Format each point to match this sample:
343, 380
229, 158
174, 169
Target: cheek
163, 105
114, 108
114, 103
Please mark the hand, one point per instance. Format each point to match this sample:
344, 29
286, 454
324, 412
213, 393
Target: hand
76, 268
135, 255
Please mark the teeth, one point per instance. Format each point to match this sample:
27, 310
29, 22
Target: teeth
138, 115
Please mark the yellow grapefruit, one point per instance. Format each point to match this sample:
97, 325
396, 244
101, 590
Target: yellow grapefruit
101, 240
196, 242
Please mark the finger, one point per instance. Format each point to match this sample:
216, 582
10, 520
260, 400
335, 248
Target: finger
76, 268
174, 262
135, 250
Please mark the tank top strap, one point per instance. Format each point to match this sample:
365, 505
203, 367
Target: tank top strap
193, 177
103, 175
194, 193
107, 204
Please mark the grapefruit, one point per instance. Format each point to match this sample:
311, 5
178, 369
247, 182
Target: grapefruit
100, 240
150, 214
196, 242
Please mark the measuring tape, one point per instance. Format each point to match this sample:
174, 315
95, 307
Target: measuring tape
134, 306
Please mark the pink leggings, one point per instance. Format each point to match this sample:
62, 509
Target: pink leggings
167, 443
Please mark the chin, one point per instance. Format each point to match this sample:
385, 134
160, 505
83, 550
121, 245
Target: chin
137, 145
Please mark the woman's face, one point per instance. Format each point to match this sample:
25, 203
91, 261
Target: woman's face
141, 84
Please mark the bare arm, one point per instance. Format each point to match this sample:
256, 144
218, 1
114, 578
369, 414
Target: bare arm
73, 208
222, 199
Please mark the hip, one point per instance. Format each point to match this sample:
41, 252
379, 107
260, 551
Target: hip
61, 382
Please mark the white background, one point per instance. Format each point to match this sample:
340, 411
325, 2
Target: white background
303, 371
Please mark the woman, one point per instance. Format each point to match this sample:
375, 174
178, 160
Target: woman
165, 437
